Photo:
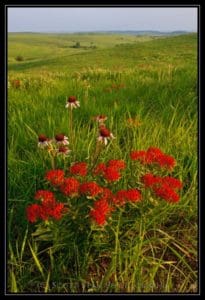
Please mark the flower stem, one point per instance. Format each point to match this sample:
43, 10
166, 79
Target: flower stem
52, 162
70, 117
96, 155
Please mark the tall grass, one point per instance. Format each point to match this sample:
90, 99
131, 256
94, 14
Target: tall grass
158, 253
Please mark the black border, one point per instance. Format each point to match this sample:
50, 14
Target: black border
3, 128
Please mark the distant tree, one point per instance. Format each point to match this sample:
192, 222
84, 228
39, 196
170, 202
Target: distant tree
77, 45
19, 58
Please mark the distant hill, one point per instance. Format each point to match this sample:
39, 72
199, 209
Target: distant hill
138, 32
120, 32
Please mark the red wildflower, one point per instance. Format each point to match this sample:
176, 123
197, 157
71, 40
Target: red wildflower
133, 195
100, 211
70, 187
58, 211
120, 198
79, 169
167, 193
107, 194
111, 174
138, 155
44, 195
153, 155
149, 180
91, 189
167, 161
44, 212
55, 177
172, 182
33, 212
117, 163
99, 169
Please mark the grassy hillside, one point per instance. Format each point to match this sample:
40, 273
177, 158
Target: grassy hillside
147, 87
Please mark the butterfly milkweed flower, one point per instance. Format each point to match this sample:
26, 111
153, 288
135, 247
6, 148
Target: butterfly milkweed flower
55, 177
167, 193
100, 211
90, 189
124, 196
46, 209
43, 141
150, 180
79, 168
111, 174
172, 182
72, 102
70, 187
44, 195
153, 156
104, 135
99, 169
33, 212
163, 187
119, 164
61, 139
138, 155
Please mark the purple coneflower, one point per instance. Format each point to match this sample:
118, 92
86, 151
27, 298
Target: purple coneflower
61, 139
63, 150
105, 135
72, 102
101, 119
43, 141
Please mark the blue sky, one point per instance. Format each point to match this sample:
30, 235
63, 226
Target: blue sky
73, 19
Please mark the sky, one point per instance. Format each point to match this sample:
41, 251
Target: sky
73, 19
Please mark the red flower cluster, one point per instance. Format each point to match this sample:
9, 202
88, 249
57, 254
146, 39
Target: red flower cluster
55, 177
70, 187
167, 193
44, 195
107, 194
111, 174
90, 189
48, 207
163, 187
100, 211
79, 169
153, 155
149, 180
117, 163
99, 169
111, 171
123, 196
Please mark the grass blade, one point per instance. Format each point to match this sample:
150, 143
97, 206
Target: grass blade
38, 264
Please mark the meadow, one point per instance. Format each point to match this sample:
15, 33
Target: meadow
147, 89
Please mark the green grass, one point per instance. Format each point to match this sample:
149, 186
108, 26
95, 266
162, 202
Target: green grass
148, 248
